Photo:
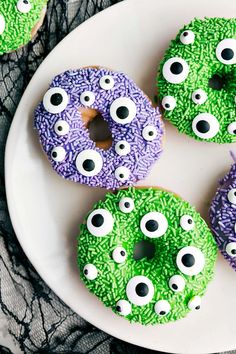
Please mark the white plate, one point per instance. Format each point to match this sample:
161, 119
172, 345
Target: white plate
46, 210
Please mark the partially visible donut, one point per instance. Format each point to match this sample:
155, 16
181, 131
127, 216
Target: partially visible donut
197, 80
75, 99
147, 254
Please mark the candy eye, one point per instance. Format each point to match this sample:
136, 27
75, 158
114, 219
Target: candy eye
126, 205
87, 98
140, 290
2, 24
90, 271
195, 303
232, 128
187, 37
153, 224
149, 133
190, 260
205, 125
187, 223
122, 148
89, 163
232, 196
177, 283
175, 70
119, 255
231, 249
100, 222
61, 127
106, 82
58, 154
122, 173
55, 100
199, 96
162, 307
23, 6
123, 307
123, 110
168, 103
226, 51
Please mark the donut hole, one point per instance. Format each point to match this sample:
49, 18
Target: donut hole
98, 128
143, 249
217, 82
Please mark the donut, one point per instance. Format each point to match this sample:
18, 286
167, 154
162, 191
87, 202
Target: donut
223, 216
74, 104
197, 80
147, 254
19, 22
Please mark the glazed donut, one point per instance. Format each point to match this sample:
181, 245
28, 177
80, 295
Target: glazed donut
19, 22
73, 102
197, 80
168, 277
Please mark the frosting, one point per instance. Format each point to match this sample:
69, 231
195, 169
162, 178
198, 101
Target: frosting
135, 127
181, 264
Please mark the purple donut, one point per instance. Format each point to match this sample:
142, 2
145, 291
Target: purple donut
75, 98
223, 216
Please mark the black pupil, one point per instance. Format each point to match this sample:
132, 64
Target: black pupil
176, 68
151, 225
167, 105
97, 220
127, 204
235, 193
162, 313
234, 131
203, 126
86, 271
174, 286
142, 289
118, 308
198, 96
122, 112
150, 133
188, 260
56, 99
227, 54
233, 251
190, 221
54, 154
122, 146
197, 307
86, 98
107, 81
185, 34
88, 165
25, 2
60, 128
122, 253
121, 175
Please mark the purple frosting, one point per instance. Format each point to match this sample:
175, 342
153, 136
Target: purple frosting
223, 216
145, 145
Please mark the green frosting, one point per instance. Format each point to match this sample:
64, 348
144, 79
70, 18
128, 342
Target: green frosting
112, 278
203, 66
16, 26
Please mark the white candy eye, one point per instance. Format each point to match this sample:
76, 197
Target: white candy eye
226, 51
61, 127
100, 222
149, 133
122, 173
232, 128
123, 110
55, 100
199, 96
190, 260
162, 307
119, 255
140, 290
90, 271
123, 307
205, 125
175, 70
87, 98
122, 148
2, 24
106, 82
187, 223
58, 154
89, 162
231, 249
168, 103
195, 303
187, 37
232, 196
177, 283
153, 224
126, 205
24, 6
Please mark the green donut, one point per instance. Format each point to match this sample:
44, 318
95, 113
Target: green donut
156, 287
197, 80
19, 21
